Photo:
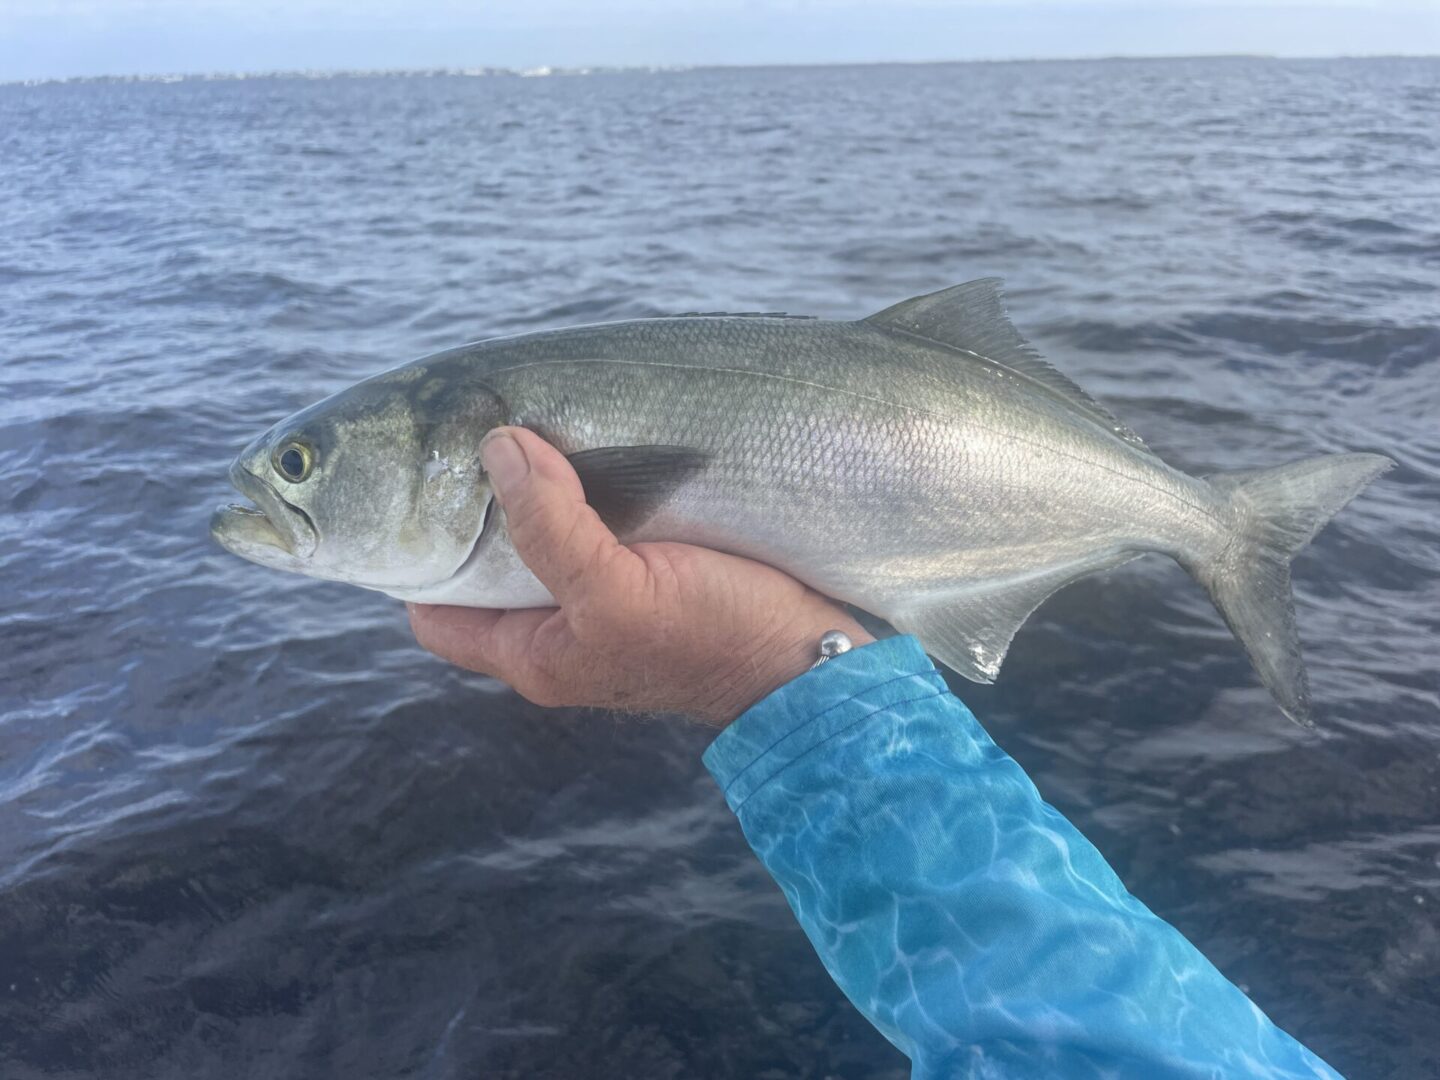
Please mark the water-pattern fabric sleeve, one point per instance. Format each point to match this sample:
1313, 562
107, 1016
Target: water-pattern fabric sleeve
966, 918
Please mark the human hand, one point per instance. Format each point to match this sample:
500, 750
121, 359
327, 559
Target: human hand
654, 627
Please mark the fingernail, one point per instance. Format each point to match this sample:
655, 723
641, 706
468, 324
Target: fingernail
504, 461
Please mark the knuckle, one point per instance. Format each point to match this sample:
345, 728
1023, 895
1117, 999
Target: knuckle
591, 627
597, 606
476, 659
578, 553
523, 519
542, 691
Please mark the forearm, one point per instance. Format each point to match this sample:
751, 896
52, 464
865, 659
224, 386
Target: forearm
968, 920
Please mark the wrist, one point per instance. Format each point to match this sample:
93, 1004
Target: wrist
779, 657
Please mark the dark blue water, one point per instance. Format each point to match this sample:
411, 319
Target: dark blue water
248, 829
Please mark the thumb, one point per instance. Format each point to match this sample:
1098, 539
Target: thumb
557, 535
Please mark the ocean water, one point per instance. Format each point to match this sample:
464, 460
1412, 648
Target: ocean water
249, 829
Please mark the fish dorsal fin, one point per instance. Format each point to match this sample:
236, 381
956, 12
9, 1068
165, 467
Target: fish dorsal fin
970, 629
971, 317
626, 484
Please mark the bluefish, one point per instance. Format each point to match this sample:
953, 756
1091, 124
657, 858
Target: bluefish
924, 464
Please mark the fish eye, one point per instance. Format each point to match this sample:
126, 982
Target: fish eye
294, 461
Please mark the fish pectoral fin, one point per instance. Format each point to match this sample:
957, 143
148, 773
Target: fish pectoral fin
971, 317
626, 484
969, 628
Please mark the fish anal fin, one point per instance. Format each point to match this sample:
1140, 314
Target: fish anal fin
969, 629
626, 484
971, 317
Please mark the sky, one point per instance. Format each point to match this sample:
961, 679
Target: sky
61, 38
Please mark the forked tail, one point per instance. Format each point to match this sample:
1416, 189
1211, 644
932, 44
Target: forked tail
1279, 511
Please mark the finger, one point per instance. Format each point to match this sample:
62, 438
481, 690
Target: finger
497, 643
560, 538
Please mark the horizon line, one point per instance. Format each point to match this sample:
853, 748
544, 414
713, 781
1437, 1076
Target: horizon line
545, 70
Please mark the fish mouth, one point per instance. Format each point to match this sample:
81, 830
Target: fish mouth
271, 527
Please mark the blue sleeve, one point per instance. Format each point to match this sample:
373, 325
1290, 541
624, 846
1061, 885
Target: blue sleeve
966, 918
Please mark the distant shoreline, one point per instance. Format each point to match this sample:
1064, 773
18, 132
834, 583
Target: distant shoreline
662, 69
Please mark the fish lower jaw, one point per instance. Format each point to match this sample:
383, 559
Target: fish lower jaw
241, 528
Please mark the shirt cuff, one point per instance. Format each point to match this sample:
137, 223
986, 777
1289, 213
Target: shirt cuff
805, 712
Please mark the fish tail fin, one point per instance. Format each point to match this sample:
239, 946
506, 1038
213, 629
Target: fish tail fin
1279, 511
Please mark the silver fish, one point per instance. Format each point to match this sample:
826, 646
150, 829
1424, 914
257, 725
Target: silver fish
924, 464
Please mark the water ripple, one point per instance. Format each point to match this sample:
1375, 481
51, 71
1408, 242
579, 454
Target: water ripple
248, 829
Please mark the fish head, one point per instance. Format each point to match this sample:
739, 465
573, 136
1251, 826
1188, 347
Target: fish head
380, 485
